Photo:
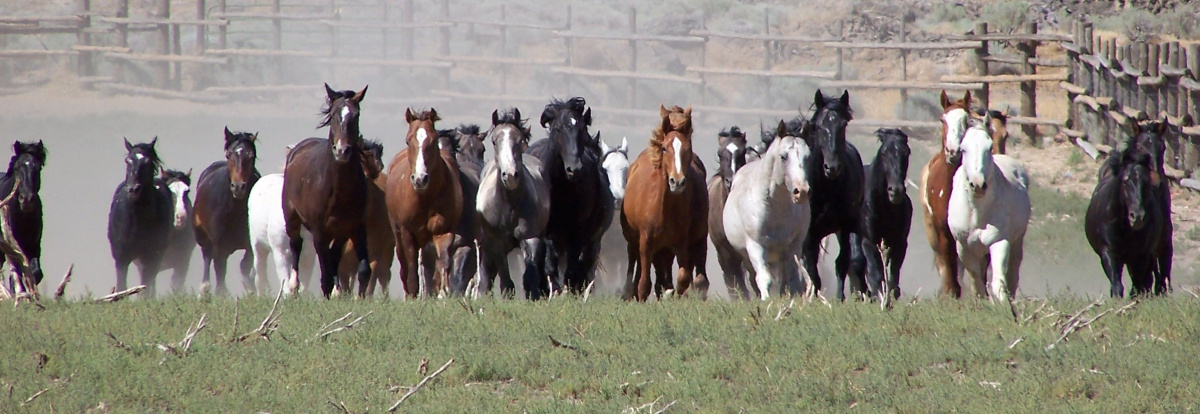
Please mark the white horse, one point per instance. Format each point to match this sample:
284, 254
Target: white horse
268, 236
989, 212
615, 163
767, 214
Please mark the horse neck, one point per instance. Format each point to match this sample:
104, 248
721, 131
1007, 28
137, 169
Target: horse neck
776, 181
878, 179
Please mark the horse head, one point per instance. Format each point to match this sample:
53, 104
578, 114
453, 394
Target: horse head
731, 153
672, 146
26, 164
829, 122
510, 138
1136, 183
977, 163
423, 149
568, 127
180, 184
954, 124
1149, 140
791, 151
469, 142
240, 155
615, 161
341, 116
892, 158
372, 158
141, 165
998, 127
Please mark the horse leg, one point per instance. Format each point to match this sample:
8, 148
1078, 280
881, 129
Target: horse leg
220, 265
1166, 253
975, 265
661, 266
122, 274
248, 274
445, 263
260, 268
896, 254
206, 254
684, 275
809, 257
364, 261
946, 258
406, 251
999, 252
465, 268
762, 273
731, 269
1113, 269
535, 279
150, 267
858, 284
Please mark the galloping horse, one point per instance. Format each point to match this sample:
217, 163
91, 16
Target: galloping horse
937, 181
466, 143
513, 205
219, 214
26, 166
614, 164
379, 231
767, 215
139, 218
665, 214
268, 236
835, 172
424, 197
580, 200
887, 216
988, 214
731, 156
325, 190
182, 243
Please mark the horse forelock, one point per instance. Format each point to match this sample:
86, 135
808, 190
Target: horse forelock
240, 138
177, 176
333, 108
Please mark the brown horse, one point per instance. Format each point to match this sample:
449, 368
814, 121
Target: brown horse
937, 179
665, 213
731, 156
379, 228
326, 191
219, 214
424, 197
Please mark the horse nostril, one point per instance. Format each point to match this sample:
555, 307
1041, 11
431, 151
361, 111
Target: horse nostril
983, 186
796, 192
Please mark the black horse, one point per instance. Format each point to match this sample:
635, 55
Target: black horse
1125, 223
1149, 140
26, 165
581, 204
221, 216
182, 243
139, 219
466, 142
886, 215
835, 174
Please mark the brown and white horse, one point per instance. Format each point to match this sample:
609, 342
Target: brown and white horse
937, 179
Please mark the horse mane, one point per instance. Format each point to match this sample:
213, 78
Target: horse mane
576, 104
181, 176
149, 150
680, 123
426, 115
372, 146
467, 129
36, 149
832, 103
448, 135
239, 137
512, 116
327, 111
732, 132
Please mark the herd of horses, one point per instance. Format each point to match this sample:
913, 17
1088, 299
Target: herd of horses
453, 218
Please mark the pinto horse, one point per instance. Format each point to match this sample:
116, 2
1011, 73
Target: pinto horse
988, 214
25, 173
379, 232
835, 172
325, 190
581, 204
887, 216
424, 197
178, 257
219, 213
665, 213
139, 218
732, 152
937, 181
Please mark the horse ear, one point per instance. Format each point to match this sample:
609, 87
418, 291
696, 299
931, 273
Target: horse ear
880, 133
967, 99
818, 99
1162, 126
666, 124
1135, 129
688, 113
433, 116
228, 135
547, 116
330, 94
781, 130
408, 115
662, 111
154, 141
945, 100
255, 137
16, 147
128, 146
358, 97
587, 117
189, 173
846, 98
496, 117
603, 146
517, 115
624, 145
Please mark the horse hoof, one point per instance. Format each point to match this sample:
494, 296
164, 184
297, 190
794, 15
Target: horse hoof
205, 288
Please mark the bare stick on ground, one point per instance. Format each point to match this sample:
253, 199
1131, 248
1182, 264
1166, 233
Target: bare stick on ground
417, 387
1080, 323
325, 334
34, 397
117, 296
117, 342
269, 324
588, 292
181, 349
62, 286
558, 344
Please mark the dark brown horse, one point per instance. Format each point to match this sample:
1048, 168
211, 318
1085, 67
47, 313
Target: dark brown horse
219, 214
25, 173
379, 229
937, 179
326, 191
731, 155
665, 213
424, 197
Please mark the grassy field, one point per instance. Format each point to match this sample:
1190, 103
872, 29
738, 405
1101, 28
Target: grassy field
928, 356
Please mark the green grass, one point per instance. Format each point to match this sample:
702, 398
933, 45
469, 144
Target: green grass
934, 356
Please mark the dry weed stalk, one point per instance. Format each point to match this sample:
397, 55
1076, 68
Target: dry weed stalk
325, 334
117, 296
417, 387
269, 324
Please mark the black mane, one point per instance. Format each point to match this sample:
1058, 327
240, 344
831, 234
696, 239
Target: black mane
35, 149
239, 137
327, 111
831, 103
169, 175
448, 135
148, 150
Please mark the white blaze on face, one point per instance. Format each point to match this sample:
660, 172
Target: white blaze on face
956, 125
345, 112
139, 155
678, 161
178, 192
505, 158
732, 148
420, 169
573, 121
977, 153
616, 165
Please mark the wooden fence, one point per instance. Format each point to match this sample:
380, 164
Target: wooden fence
1113, 86
101, 38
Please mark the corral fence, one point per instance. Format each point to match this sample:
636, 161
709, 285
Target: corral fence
1113, 86
442, 60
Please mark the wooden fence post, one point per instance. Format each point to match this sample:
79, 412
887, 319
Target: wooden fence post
277, 39
162, 72
1151, 60
1191, 110
766, 65
1028, 50
904, 69
503, 49
981, 65
1172, 89
444, 43
633, 57
122, 40
84, 66
841, 31
200, 80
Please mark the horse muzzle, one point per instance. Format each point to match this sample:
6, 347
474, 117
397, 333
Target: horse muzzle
26, 203
510, 181
134, 191
953, 156
676, 186
978, 190
895, 195
1137, 220
832, 171
239, 190
419, 182
800, 195
341, 153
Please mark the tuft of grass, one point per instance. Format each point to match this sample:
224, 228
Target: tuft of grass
1075, 158
1193, 233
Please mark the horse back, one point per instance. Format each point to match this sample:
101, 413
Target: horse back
937, 181
324, 194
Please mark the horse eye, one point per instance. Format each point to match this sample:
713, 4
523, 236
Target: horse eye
783, 156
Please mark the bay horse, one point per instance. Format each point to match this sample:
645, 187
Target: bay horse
835, 173
581, 204
887, 216
767, 215
325, 190
424, 197
466, 143
219, 213
513, 205
937, 181
379, 231
25, 173
732, 151
139, 218
1147, 142
665, 213
182, 242
989, 213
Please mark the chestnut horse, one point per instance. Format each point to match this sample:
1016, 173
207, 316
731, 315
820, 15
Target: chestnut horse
937, 179
325, 190
424, 197
379, 232
219, 213
665, 212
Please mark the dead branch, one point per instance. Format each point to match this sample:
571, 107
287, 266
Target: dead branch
34, 397
1075, 316
587, 293
269, 324
350, 325
117, 342
1015, 342
341, 406
666, 407
335, 322
1081, 323
117, 296
1127, 307
784, 311
62, 286
1012, 308
466, 306
916, 297
558, 344
186, 343
417, 387
423, 367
